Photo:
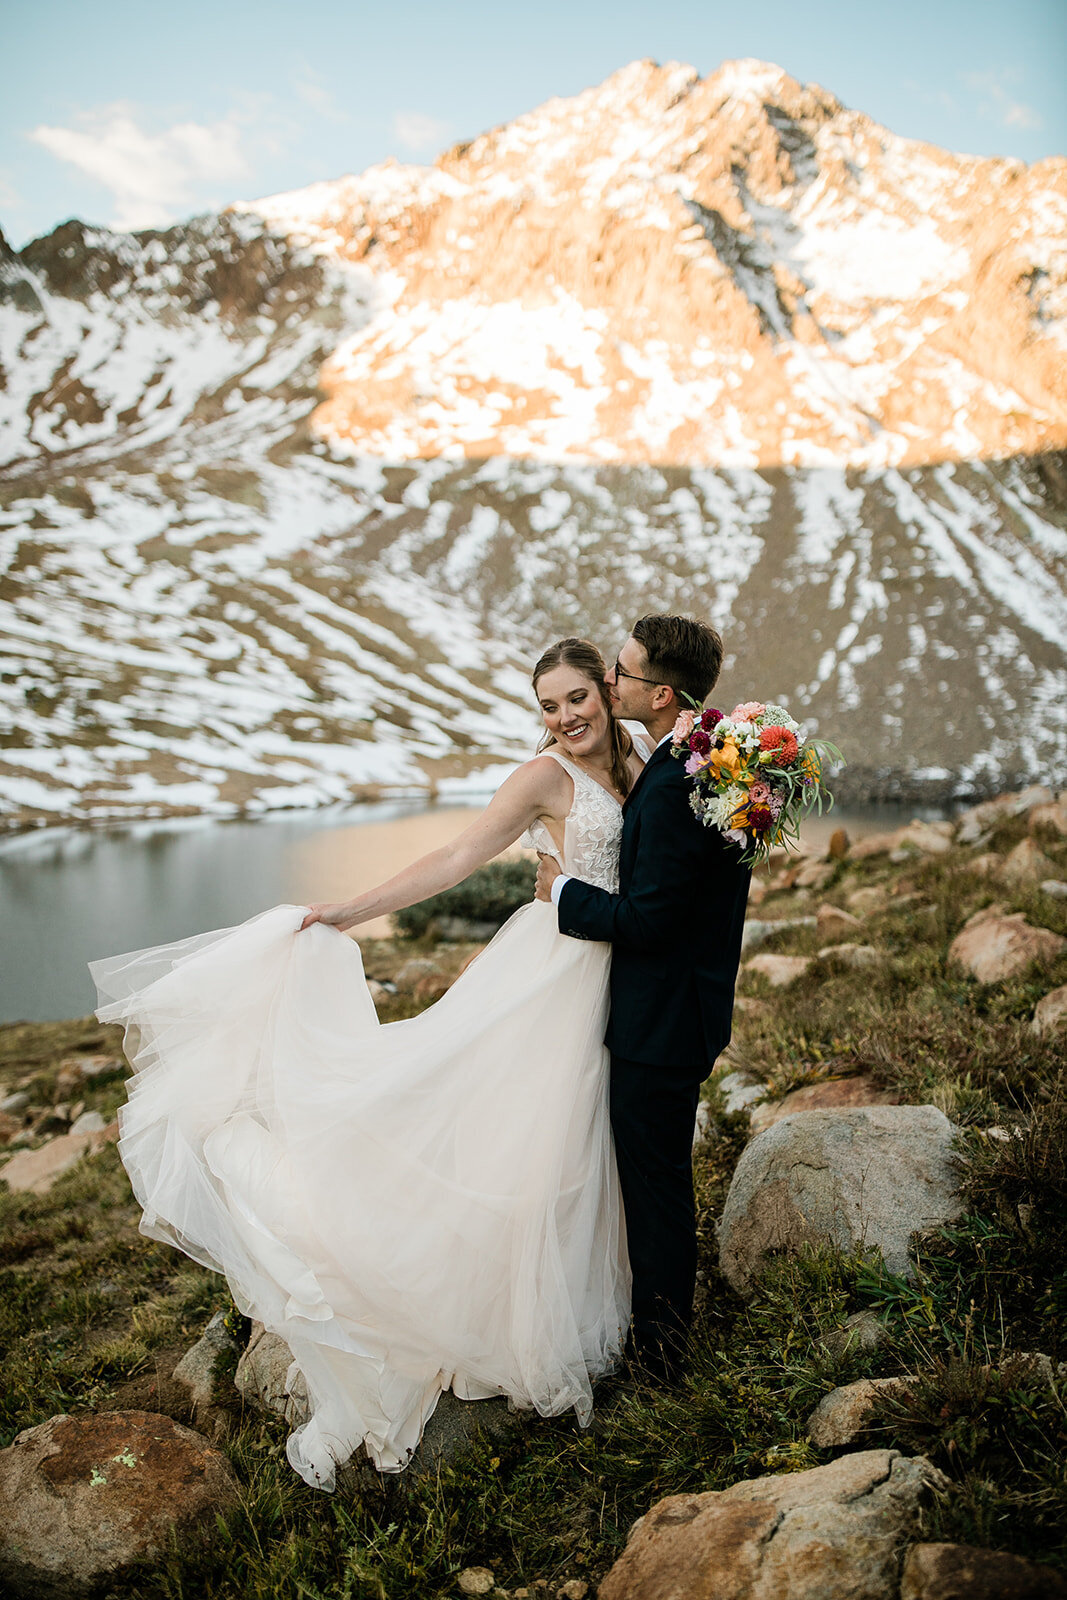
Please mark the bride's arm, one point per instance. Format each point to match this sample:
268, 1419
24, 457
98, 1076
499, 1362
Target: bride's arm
539, 788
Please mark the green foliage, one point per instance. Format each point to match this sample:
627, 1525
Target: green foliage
490, 894
92, 1314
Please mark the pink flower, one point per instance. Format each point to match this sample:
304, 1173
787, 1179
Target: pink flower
683, 727
747, 711
760, 794
695, 764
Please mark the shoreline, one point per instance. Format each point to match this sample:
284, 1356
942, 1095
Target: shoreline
853, 788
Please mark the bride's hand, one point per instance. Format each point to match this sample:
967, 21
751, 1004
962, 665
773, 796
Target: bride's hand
337, 915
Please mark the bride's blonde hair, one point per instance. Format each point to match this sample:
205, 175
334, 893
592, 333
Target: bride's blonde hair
584, 657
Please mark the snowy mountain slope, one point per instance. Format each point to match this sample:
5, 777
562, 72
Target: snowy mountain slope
346, 635
734, 270
220, 590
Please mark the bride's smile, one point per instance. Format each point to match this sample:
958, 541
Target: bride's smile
573, 711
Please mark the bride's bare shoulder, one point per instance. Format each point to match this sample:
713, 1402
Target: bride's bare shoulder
542, 773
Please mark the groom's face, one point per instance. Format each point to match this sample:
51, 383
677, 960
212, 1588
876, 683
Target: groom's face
631, 695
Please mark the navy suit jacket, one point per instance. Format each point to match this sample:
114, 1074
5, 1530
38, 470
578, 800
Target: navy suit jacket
675, 925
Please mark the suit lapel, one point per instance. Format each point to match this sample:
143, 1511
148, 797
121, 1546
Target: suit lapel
662, 752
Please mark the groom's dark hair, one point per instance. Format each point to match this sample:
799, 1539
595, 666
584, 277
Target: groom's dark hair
683, 653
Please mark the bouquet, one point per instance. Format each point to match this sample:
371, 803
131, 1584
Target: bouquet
754, 776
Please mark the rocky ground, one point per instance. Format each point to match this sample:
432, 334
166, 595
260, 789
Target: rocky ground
875, 1406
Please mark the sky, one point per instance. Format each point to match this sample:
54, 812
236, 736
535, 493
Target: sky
133, 115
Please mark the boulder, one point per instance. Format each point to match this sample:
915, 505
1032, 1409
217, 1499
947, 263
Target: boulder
842, 1415
837, 849
1026, 864
430, 988
865, 902
850, 955
1055, 888
739, 1090
756, 932
268, 1376
76, 1071
831, 921
88, 1122
986, 865
86, 1497
1049, 816
992, 946
814, 875
876, 844
411, 973
974, 824
837, 1094
198, 1367
35, 1171
922, 838
456, 1426
831, 1533
863, 1331
758, 890
1050, 1014
476, 1580
961, 1572
862, 1179
778, 970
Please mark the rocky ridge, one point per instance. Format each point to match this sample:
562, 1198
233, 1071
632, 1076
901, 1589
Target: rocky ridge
291, 497
735, 270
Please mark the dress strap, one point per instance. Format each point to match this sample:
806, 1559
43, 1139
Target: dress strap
573, 769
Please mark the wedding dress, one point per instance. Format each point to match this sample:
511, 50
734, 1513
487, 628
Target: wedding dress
415, 1206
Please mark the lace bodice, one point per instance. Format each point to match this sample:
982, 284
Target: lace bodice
591, 834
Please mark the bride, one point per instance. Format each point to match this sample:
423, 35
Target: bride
423, 1205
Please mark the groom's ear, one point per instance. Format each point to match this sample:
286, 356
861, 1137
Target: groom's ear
664, 698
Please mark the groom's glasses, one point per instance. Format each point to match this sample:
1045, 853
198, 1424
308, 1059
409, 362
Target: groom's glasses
621, 672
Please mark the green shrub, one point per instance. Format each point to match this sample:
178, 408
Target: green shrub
490, 894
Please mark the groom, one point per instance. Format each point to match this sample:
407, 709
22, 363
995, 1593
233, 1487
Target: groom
675, 929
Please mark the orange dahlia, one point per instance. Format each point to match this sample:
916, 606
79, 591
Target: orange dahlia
783, 742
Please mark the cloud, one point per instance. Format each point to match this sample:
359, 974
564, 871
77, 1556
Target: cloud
9, 195
314, 93
152, 177
997, 103
417, 132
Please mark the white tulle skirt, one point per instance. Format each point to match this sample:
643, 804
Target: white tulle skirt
424, 1205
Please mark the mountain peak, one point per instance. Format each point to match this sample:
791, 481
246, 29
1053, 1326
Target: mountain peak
728, 270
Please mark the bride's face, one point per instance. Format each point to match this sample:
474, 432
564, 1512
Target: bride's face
573, 709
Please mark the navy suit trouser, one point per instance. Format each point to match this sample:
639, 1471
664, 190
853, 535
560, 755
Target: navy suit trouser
653, 1113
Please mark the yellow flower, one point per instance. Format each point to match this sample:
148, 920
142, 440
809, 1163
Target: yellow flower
728, 760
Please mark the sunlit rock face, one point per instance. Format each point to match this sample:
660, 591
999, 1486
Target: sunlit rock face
735, 270
291, 497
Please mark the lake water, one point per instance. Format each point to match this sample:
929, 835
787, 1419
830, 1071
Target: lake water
69, 895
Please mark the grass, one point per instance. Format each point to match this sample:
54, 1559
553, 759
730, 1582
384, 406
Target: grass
94, 1316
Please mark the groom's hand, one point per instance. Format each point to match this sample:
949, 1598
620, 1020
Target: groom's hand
548, 870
